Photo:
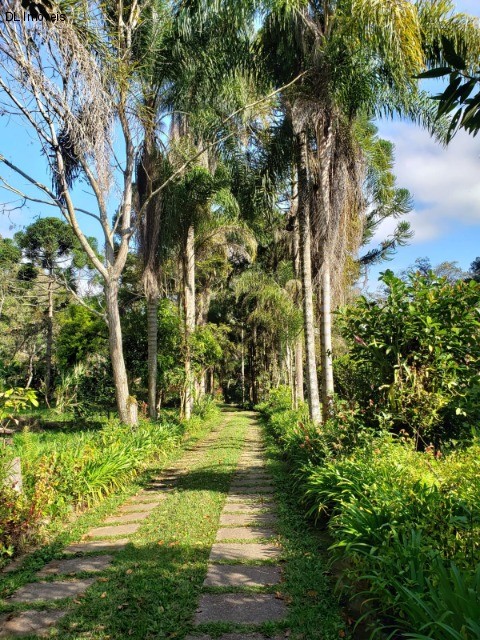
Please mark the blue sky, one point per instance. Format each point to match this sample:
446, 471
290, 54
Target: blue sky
445, 185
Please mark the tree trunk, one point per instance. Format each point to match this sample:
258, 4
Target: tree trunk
30, 368
242, 364
212, 381
254, 381
299, 397
49, 346
152, 337
306, 276
189, 301
127, 406
327, 367
298, 381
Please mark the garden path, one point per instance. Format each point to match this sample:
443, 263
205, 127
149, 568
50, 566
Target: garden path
244, 565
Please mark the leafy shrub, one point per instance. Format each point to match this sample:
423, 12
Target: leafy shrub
206, 408
442, 604
14, 400
279, 399
413, 358
405, 523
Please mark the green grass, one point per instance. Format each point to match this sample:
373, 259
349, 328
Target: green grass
62, 533
153, 586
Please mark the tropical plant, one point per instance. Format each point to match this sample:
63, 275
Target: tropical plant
409, 360
13, 401
462, 94
349, 58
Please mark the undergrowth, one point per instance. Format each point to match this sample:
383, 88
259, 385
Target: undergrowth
67, 471
405, 524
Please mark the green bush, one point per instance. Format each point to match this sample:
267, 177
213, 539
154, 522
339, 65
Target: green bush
405, 523
206, 408
413, 361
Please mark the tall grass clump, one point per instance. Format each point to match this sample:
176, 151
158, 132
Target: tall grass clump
70, 470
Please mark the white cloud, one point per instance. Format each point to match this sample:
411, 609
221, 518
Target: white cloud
444, 182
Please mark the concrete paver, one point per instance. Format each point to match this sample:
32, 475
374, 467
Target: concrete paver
239, 608
245, 507
112, 530
246, 519
29, 623
237, 575
244, 533
224, 551
137, 507
239, 496
40, 591
127, 518
97, 546
92, 564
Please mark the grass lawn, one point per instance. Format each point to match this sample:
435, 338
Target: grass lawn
152, 588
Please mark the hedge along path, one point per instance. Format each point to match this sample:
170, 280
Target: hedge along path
111, 583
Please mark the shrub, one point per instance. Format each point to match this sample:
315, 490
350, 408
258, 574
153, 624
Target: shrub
413, 358
405, 523
206, 408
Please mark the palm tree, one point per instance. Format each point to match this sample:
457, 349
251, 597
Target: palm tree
189, 74
356, 56
264, 300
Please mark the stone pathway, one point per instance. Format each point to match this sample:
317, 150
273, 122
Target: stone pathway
245, 554
93, 554
238, 559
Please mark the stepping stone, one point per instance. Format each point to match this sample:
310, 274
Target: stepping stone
12, 566
239, 608
239, 487
112, 530
145, 507
39, 591
244, 507
238, 551
246, 519
97, 546
238, 496
75, 565
126, 518
237, 575
147, 497
29, 623
251, 464
159, 486
250, 476
243, 533
235, 636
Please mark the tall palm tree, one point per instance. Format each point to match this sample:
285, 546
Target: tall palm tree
356, 56
190, 76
